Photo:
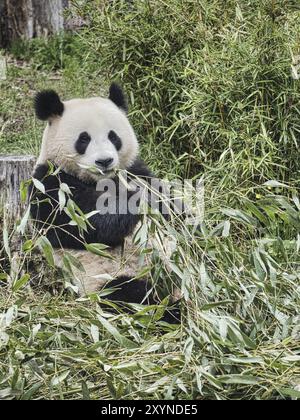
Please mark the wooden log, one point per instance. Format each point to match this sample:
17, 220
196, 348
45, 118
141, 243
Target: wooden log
14, 170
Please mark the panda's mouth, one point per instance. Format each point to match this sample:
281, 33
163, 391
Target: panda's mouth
101, 172
107, 172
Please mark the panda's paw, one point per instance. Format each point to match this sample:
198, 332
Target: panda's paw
172, 315
126, 290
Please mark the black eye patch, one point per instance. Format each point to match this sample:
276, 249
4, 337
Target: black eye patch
115, 139
82, 143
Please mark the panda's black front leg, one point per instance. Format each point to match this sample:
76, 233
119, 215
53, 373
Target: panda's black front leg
112, 229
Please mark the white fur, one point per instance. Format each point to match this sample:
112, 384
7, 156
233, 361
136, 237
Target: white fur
127, 260
97, 117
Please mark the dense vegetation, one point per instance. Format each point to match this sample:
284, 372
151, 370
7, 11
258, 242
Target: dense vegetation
212, 93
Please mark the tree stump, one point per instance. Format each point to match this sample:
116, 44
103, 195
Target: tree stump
14, 170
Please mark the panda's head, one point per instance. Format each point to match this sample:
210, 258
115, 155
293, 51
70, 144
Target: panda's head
88, 138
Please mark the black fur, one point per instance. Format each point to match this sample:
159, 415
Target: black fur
109, 229
48, 104
128, 290
106, 229
139, 168
82, 143
117, 96
115, 139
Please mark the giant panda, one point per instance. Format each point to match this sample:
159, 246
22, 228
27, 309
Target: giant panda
81, 135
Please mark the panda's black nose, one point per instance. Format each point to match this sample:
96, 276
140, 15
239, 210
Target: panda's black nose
104, 163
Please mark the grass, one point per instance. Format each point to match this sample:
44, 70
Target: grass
211, 94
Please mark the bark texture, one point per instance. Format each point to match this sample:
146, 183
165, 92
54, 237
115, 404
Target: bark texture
26, 19
14, 170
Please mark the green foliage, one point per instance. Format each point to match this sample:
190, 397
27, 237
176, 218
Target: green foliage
54, 54
211, 92
238, 339
209, 81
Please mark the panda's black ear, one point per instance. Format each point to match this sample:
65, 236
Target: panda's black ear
118, 97
47, 104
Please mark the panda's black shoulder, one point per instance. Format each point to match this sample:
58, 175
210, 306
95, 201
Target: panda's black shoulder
140, 168
41, 172
44, 174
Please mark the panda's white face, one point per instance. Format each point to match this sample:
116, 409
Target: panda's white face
91, 139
